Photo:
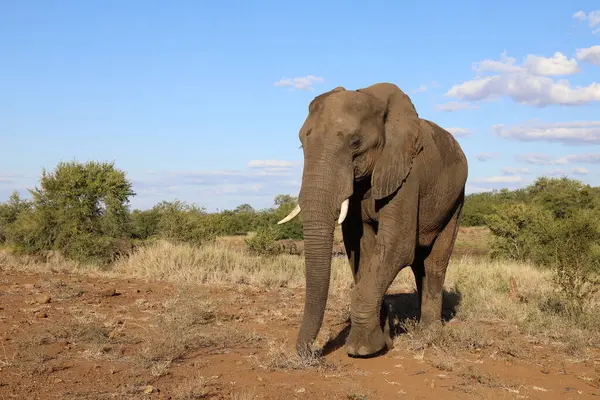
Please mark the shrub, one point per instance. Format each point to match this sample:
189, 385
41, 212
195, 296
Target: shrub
575, 258
520, 232
144, 224
183, 223
79, 209
557, 228
264, 242
10, 211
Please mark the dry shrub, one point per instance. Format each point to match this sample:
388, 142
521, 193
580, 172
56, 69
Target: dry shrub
198, 387
282, 356
180, 326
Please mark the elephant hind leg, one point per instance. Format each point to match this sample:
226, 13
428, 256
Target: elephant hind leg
431, 271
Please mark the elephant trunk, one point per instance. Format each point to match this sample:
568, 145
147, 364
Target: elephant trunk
323, 202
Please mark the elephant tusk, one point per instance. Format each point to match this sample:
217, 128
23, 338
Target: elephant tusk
291, 215
344, 211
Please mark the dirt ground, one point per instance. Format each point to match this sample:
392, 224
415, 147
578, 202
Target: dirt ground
75, 337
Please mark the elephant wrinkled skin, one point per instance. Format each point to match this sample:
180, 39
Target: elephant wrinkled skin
396, 183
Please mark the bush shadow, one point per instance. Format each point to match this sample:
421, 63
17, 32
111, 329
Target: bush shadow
401, 307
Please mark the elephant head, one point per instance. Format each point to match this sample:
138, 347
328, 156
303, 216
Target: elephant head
348, 136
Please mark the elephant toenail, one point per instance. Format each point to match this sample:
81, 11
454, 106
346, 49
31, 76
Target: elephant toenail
350, 350
362, 351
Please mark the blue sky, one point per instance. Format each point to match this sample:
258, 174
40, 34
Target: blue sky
202, 101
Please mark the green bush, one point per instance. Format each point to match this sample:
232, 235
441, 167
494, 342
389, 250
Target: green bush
144, 224
79, 209
557, 227
520, 231
264, 242
10, 211
181, 222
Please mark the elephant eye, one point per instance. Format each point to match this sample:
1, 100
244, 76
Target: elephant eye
354, 141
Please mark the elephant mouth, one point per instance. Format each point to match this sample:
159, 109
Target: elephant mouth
297, 209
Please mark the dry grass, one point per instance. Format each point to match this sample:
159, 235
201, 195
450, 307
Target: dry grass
507, 293
220, 263
282, 356
198, 387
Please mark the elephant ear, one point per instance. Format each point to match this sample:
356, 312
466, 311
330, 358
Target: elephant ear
402, 139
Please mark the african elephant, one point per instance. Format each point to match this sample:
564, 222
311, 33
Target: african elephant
396, 183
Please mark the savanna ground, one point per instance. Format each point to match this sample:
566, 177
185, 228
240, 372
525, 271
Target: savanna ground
179, 322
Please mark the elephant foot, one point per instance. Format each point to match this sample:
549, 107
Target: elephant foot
306, 352
430, 318
370, 344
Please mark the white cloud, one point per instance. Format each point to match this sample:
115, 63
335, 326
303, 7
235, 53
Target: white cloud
499, 179
268, 164
506, 64
557, 172
485, 156
540, 159
590, 158
218, 189
543, 159
424, 88
528, 84
7, 178
300, 83
460, 132
515, 171
589, 54
556, 65
580, 171
592, 18
576, 132
455, 106
470, 189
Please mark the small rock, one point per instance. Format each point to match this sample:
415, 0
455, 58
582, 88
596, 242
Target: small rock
42, 298
41, 314
108, 292
545, 370
29, 286
58, 380
63, 342
112, 334
150, 389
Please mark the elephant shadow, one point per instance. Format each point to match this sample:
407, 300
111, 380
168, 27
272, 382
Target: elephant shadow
401, 307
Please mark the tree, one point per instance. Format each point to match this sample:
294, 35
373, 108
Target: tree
10, 211
80, 209
283, 199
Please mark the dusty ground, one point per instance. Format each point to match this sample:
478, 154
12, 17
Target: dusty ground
76, 337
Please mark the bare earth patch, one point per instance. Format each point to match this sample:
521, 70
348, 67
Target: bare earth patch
68, 336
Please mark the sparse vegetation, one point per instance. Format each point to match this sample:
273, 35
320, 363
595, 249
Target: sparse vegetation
538, 285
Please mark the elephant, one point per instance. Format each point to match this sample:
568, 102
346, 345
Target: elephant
396, 184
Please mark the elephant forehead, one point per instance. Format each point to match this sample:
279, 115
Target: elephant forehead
348, 102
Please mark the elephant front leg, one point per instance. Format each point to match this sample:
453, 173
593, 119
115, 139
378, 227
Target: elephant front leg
368, 333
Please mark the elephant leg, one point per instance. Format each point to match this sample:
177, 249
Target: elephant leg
369, 332
434, 272
394, 249
418, 268
359, 248
367, 245
361, 258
